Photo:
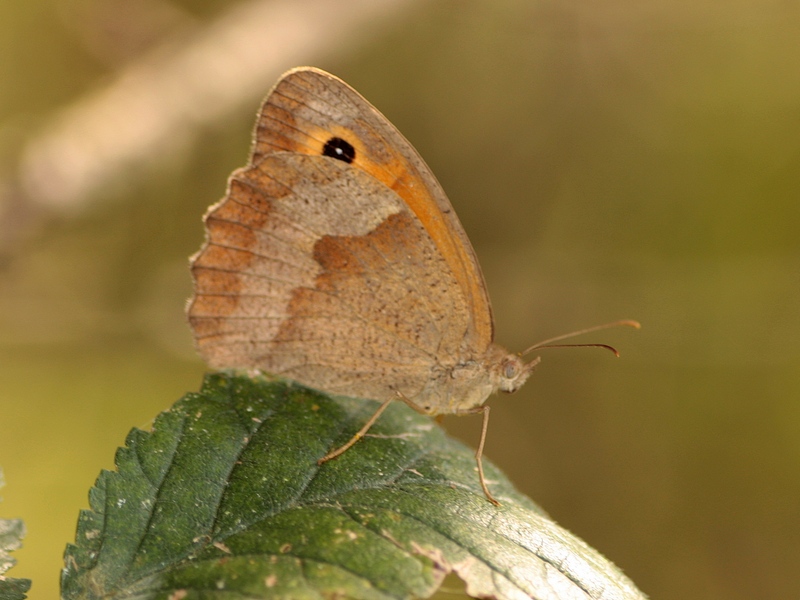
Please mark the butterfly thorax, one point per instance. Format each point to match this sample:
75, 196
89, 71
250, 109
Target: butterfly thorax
460, 386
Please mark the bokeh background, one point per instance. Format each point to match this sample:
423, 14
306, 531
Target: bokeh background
611, 159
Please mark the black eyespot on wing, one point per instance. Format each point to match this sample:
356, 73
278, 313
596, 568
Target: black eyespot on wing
339, 149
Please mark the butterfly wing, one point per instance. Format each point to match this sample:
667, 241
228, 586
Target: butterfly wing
308, 107
346, 273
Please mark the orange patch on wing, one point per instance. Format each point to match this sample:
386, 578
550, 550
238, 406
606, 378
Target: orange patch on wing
217, 306
393, 172
223, 258
209, 281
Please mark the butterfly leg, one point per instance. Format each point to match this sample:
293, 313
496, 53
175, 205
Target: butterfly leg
420, 409
359, 434
479, 452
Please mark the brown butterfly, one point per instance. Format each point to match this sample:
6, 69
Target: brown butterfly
336, 260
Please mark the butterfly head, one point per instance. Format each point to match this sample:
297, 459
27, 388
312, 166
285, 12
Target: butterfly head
509, 371
515, 372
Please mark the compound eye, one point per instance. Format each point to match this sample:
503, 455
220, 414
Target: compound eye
511, 370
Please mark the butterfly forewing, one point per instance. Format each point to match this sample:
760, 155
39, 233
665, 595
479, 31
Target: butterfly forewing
308, 108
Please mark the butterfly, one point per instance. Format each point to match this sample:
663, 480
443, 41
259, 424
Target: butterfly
336, 260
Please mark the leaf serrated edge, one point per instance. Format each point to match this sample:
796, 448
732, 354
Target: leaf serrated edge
11, 533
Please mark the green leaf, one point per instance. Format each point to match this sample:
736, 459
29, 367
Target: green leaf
224, 499
11, 533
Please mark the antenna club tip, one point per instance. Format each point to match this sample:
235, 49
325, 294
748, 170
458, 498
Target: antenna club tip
631, 323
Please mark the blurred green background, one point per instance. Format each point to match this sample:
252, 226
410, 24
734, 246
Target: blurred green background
611, 159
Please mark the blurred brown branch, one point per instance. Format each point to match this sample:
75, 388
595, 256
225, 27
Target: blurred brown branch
156, 103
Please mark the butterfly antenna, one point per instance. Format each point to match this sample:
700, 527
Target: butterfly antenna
548, 343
